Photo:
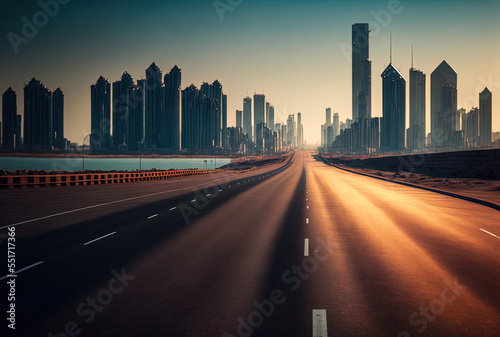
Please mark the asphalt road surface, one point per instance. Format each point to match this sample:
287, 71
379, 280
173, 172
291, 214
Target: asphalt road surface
298, 250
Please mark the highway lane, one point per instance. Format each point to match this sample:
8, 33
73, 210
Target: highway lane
73, 204
402, 262
76, 265
382, 260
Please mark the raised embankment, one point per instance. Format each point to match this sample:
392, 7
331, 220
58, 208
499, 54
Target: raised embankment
473, 163
75, 179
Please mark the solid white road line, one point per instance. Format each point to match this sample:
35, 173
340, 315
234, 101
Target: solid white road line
319, 323
105, 204
100, 238
490, 233
306, 247
153, 216
172, 208
21, 270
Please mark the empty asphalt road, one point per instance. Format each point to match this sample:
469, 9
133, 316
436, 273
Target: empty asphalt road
299, 250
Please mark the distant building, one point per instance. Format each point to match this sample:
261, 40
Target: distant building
328, 116
172, 129
291, 137
247, 116
9, 119
154, 119
135, 136
271, 117
259, 117
443, 105
300, 128
100, 114
37, 116
58, 139
393, 108
239, 118
19, 139
416, 134
224, 140
123, 101
485, 116
336, 125
201, 118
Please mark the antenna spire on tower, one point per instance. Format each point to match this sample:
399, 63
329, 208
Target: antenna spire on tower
412, 56
391, 48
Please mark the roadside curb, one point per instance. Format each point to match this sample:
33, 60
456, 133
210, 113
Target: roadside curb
430, 189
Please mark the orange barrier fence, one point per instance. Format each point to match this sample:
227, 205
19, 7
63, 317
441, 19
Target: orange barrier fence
75, 179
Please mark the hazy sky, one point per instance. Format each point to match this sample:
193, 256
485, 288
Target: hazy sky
296, 52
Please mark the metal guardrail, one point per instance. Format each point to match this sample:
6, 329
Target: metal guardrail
76, 179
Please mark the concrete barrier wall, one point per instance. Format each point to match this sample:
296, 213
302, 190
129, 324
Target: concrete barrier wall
474, 163
94, 178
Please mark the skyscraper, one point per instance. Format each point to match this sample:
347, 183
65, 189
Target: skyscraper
259, 102
239, 118
247, 116
416, 134
266, 120
224, 121
291, 138
443, 104
193, 136
9, 119
155, 110
336, 125
100, 114
19, 140
328, 116
361, 72
393, 109
485, 117
58, 119
135, 134
299, 130
271, 117
172, 128
37, 116
123, 100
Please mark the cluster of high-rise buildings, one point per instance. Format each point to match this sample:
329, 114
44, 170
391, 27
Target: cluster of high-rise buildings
150, 115
43, 119
451, 128
157, 116
264, 136
146, 114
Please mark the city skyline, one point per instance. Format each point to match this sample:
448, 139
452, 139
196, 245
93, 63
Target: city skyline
263, 68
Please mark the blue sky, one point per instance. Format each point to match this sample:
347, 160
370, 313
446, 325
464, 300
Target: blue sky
293, 51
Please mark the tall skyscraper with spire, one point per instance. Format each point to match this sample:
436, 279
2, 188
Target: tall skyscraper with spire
100, 114
172, 126
416, 132
443, 105
393, 110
